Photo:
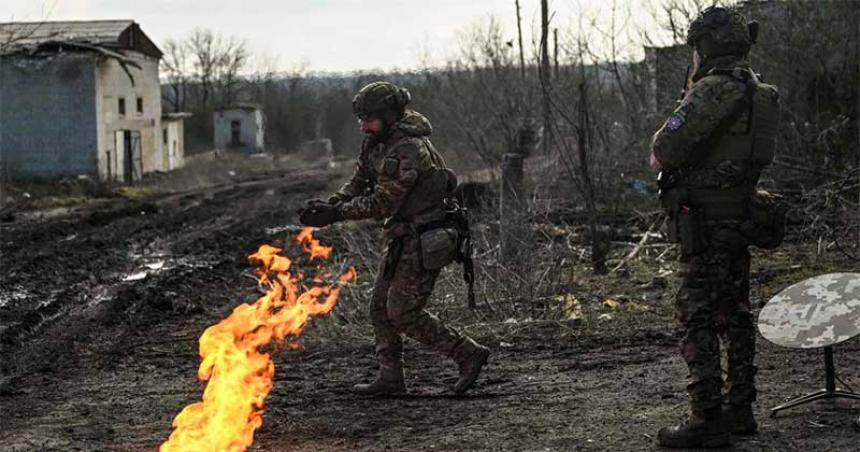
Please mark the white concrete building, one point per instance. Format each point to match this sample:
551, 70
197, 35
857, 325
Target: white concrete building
240, 127
173, 139
80, 97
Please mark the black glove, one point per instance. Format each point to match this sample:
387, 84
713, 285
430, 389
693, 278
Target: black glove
319, 215
314, 203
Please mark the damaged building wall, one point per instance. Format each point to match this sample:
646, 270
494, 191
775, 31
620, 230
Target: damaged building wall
129, 132
667, 73
173, 140
47, 116
239, 128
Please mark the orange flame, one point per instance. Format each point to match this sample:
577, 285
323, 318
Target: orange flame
238, 372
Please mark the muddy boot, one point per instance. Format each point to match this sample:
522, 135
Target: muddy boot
388, 382
740, 419
470, 357
703, 429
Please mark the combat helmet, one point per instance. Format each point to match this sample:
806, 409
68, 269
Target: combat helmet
381, 98
719, 31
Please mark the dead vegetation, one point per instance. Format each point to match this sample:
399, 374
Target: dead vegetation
94, 360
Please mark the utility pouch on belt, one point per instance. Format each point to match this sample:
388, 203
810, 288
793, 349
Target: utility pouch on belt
765, 225
691, 230
672, 199
438, 247
392, 257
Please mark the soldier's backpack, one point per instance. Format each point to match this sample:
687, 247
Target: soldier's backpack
765, 224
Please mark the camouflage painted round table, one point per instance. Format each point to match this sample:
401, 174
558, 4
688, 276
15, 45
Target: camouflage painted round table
818, 312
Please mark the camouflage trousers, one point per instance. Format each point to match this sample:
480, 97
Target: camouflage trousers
713, 309
397, 308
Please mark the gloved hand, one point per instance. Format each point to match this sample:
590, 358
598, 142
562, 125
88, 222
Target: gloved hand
319, 214
315, 202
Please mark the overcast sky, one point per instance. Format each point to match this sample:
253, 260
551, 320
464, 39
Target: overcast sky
323, 35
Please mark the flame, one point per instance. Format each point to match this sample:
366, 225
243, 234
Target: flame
239, 372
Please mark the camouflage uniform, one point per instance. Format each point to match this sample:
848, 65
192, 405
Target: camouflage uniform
386, 184
713, 147
714, 295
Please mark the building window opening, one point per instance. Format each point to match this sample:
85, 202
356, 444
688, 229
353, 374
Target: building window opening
140, 105
164, 135
121, 106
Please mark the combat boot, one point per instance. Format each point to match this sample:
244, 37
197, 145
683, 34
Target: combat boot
702, 429
470, 357
388, 382
740, 419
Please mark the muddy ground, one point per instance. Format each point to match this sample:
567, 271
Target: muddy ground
101, 306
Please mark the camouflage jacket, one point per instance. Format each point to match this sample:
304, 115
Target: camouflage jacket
709, 100
391, 174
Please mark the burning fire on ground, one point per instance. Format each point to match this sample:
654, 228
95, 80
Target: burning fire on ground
235, 362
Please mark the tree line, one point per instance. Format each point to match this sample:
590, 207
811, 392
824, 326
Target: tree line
573, 102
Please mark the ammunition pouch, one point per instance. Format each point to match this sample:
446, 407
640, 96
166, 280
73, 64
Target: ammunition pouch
438, 247
428, 193
437, 238
673, 200
691, 230
765, 224
685, 225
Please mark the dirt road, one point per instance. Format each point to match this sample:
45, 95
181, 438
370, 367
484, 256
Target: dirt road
101, 310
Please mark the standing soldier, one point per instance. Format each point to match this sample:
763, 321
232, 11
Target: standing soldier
403, 180
711, 152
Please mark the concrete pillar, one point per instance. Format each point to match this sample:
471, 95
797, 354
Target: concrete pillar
512, 207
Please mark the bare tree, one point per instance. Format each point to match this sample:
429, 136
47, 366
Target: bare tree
484, 92
520, 41
177, 73
233, 59
544, 73
579, 138
217, 61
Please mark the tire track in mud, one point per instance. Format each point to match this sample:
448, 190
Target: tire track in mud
63, 274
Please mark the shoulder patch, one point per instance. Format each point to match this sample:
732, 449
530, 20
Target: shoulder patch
675, 121
390, 166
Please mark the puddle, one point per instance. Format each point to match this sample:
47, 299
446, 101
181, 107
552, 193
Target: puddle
155, 265
135, 276
149, 268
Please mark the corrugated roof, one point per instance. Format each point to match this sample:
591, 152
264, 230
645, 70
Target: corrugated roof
239, 106
97, 32
111, 34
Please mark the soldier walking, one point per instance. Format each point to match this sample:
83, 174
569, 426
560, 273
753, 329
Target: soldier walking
711, 151
401, 179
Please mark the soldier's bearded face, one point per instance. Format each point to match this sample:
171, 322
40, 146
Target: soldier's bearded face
370, 124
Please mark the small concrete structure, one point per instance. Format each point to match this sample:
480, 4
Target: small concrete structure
173, 139
240, 127
319, 149
666, 77
79, 97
